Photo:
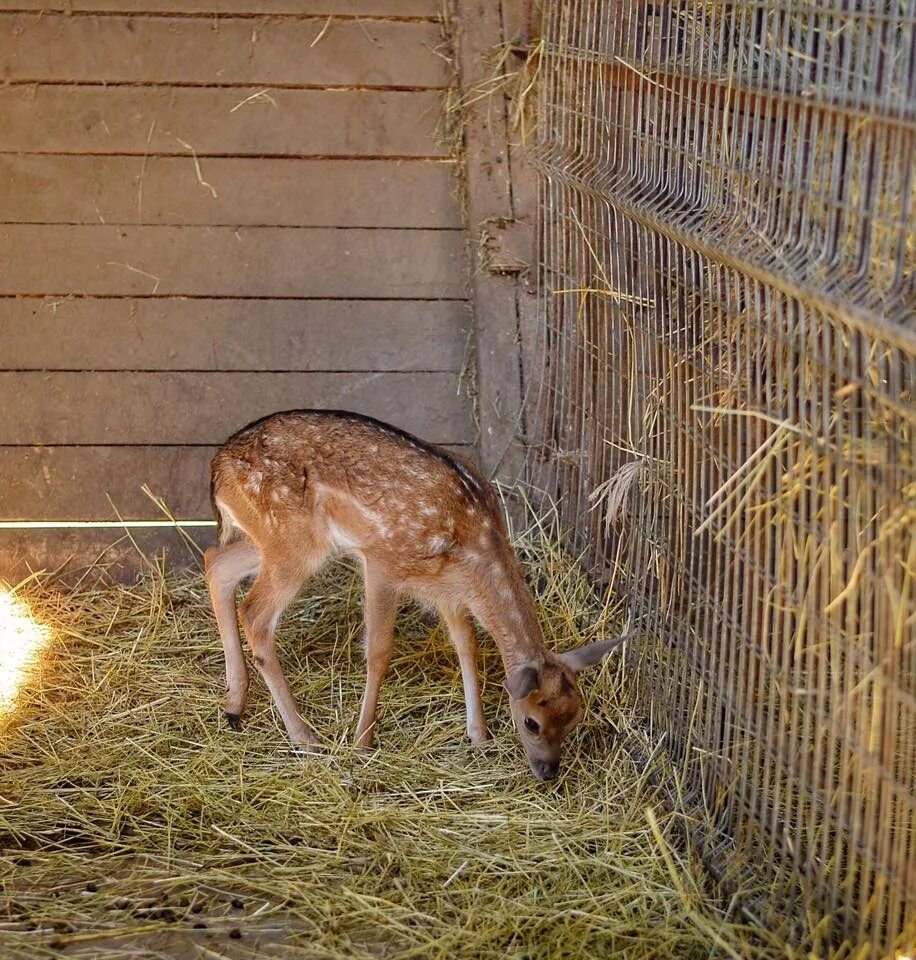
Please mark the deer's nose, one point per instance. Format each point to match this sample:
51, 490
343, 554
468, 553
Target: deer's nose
546, 769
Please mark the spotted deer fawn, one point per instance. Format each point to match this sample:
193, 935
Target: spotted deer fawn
305, 485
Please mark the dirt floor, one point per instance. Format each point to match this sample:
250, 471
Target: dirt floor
134, 823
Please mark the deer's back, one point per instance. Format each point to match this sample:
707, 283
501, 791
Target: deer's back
362, 484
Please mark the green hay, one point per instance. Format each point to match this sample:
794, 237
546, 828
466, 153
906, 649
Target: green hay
135, 824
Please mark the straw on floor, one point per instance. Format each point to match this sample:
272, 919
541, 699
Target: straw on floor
135, 824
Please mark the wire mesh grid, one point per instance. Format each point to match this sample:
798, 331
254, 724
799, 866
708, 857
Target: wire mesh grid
726, 415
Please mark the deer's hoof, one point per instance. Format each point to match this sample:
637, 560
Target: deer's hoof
304, 738
234, 720
307, 747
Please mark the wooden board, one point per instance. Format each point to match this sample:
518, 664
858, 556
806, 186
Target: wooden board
224, 122
428, 9
520, 19
166, 190
52, 481
75, 483
489, 192
174, 334
204, 408
69, 552
236, 51
222, 262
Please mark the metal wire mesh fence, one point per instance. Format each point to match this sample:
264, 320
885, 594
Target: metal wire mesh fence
726, 414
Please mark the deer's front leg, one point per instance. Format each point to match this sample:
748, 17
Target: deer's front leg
461, 632
381, 606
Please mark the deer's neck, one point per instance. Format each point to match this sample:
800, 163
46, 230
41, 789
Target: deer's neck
502, 603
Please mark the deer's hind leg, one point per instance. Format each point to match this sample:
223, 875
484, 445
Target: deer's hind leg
276, 586
381, 607
226, 567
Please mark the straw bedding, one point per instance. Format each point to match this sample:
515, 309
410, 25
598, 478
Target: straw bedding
135, 824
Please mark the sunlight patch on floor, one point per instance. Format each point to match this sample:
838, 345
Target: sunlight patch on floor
22, 640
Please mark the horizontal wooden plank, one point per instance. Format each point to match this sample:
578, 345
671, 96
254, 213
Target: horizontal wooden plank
82, 483
166, 190
42, 47
231, 121
430, 9
204, 408
220, 261
110, 553
166, 334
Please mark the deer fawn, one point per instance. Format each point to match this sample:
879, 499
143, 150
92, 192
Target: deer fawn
304, 485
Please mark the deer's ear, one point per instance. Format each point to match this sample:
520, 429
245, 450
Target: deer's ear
588, 655
522, 681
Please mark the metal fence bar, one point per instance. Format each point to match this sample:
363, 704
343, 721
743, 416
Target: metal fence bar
727, 415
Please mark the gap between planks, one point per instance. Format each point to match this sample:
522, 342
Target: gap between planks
354, 157
63, 297
96, 225
228, 370
245, 85
448, 444
211, 15
220, 226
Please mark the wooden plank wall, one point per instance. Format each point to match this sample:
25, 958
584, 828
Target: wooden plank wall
211, 209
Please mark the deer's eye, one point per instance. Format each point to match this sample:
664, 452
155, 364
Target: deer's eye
532, 725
